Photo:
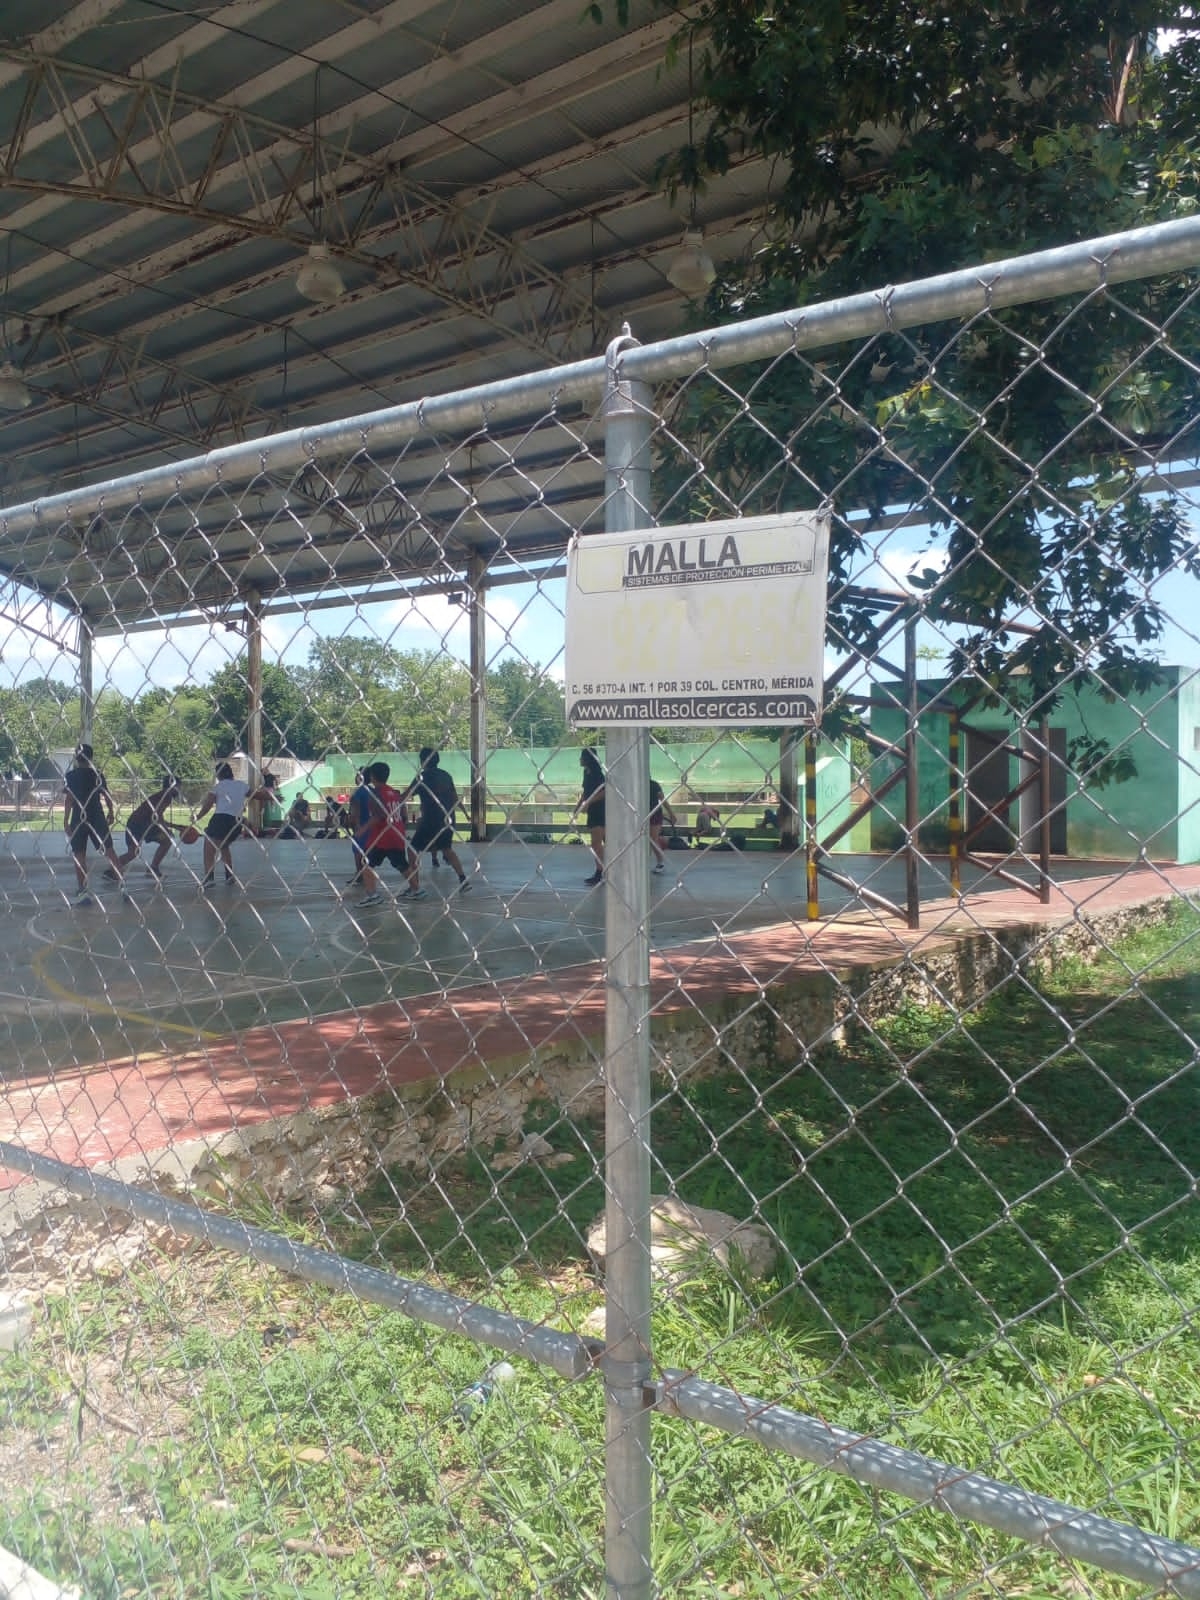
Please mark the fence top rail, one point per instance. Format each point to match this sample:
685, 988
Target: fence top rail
1070, 269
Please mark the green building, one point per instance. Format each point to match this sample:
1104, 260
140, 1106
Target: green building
1154, 809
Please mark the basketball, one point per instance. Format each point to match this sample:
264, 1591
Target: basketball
189, 835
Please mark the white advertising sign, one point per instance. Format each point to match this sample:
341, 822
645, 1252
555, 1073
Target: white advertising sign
713, 624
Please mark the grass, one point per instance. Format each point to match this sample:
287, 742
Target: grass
989, 1254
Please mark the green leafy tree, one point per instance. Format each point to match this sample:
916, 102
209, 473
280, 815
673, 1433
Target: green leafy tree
364, 695
525, 705
118, 736
286, 726
34, 722
46, 691
177, 737
435, 704
911, 139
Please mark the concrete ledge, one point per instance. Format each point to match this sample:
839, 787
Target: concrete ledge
313, 1110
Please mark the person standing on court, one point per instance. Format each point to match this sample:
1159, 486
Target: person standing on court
386, 839
146, 826
226, 800
660, 809
88, 816
435, 789
272, 812
591, 803
361, 812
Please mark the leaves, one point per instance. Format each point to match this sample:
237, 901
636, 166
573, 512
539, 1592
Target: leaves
911, 140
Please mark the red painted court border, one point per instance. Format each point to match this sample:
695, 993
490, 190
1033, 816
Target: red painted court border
141, 1106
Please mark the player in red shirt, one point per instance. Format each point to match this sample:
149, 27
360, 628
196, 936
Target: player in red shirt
387, 840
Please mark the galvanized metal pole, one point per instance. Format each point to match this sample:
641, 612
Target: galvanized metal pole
811, 877
955, 815
87, 686
254, 695
1044, 803
912, 793
626, 1361
789, 790
477, 622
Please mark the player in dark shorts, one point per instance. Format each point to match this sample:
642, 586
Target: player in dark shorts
591, 803
361, 821
660, 811
88, 815
434, 788
146, 826
387, 839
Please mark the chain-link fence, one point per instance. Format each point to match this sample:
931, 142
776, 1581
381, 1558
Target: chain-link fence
782, 1184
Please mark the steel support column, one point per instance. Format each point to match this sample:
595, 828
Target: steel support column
789, 798
477, 624
912, 793
955, 800
254, 695
87, 688
1044, 799
811, 845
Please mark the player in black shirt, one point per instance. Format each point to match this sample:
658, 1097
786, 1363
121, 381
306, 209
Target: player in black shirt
435, 790
88, 816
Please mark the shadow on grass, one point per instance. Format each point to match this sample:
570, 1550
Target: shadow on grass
937, 1182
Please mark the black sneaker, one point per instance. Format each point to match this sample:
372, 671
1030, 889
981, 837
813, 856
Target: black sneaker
596, 877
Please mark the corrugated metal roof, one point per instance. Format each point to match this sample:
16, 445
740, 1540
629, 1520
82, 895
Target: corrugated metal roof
483, 174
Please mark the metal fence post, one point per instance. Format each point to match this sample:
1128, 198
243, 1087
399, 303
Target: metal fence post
1044, 803
626, 1364
477, 624
955, 809
912, 795
86, 637
789, 808
811, 878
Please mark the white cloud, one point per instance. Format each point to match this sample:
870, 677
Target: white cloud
136, 662
522, 620
900, 565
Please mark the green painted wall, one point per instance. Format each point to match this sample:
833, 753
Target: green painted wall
1189, 768
734, 770
1157, 810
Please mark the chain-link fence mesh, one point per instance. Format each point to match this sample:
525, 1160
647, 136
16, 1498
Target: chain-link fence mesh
788, 1189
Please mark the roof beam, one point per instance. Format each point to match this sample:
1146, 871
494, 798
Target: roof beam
133, 386
139, 162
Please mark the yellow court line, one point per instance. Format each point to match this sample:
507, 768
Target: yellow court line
61, 992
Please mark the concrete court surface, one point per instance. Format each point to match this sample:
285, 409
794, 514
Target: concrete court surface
172, 968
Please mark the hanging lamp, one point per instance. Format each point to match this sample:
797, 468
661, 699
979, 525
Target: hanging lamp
318, 278
15, 393
691, 269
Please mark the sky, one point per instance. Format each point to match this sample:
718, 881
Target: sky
525, 621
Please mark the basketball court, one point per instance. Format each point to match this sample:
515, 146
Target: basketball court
171, 969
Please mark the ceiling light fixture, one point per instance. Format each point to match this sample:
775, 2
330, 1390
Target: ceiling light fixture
319, 278
15, 393
692, 269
